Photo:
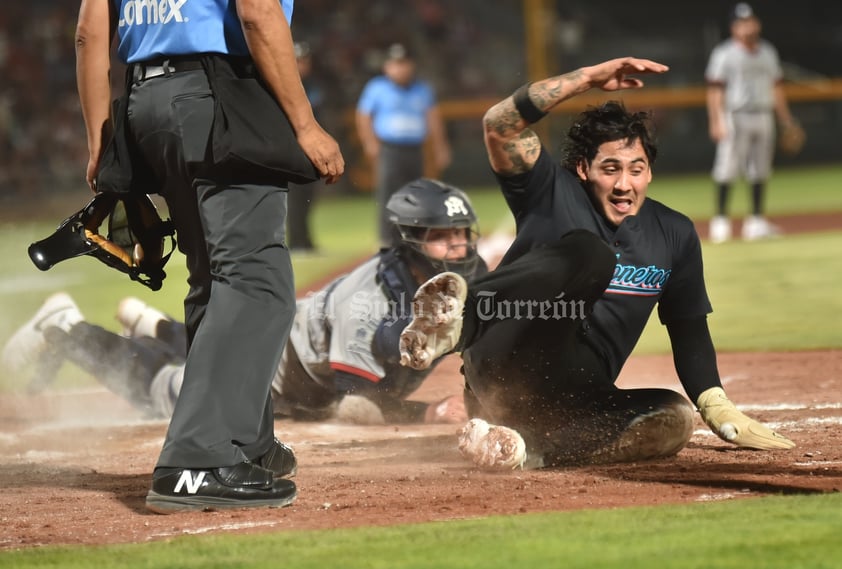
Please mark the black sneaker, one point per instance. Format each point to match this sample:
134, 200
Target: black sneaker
280, 459
244, 485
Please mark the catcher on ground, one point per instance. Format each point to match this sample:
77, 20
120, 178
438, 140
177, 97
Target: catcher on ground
543, 337
342, 360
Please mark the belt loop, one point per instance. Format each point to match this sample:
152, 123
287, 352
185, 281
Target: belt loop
166, 66
137, 73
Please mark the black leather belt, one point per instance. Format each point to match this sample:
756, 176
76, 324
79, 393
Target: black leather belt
163, 67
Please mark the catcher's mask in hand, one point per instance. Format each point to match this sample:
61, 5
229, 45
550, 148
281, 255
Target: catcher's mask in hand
134, 243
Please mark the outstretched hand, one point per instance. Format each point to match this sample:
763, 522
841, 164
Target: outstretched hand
733, 426
615, 74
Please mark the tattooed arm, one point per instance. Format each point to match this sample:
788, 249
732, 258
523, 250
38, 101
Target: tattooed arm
513, 147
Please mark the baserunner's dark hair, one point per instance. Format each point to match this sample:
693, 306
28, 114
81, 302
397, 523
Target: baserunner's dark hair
606, 123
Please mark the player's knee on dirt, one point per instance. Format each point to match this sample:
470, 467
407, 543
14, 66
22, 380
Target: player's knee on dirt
660, 433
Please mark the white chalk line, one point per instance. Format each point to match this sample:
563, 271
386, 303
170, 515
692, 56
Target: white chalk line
789, 425
789, 406
719, 496
221, 527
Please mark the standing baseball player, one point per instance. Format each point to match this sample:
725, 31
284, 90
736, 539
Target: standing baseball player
744, 94
342, 360
544, 336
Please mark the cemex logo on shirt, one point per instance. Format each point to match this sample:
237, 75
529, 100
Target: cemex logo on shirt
140, 12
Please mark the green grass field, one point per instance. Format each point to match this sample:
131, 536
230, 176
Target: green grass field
768, 533
773, 295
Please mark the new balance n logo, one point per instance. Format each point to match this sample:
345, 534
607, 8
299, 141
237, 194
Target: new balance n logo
189, 482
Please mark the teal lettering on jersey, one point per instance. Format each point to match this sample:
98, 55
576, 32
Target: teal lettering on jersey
638, 281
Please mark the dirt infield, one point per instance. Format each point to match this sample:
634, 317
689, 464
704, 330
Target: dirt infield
75, 466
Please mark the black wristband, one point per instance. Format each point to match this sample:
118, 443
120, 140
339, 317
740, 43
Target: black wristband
524, 105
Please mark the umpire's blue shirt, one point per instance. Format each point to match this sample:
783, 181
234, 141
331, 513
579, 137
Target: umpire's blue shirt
150, 30
399, 114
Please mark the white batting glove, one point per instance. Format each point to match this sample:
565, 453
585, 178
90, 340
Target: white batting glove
732, 426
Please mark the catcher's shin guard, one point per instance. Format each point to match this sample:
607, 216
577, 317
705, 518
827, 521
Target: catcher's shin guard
134, 244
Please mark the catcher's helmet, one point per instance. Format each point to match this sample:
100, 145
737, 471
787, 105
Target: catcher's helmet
426, 204
134, 244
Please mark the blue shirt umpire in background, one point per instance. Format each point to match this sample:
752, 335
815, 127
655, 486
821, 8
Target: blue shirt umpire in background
396, 114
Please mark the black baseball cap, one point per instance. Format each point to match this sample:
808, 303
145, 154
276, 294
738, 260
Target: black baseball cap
742, 11
398, 51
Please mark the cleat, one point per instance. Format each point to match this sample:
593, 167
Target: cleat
758, 227
138, 318
437, 320
491, 446
280, 459
28, 342
720, 229
244, 485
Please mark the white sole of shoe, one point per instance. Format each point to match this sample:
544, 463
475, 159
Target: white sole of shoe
492, 447
437, 320
163, 504
27, 343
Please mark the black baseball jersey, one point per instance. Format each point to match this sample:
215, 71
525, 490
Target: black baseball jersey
658, 252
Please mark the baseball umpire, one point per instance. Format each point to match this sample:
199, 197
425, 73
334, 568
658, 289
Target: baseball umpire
342, 360
203, 81
544, 336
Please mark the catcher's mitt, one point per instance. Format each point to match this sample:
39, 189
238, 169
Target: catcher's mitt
134, 244
791, 139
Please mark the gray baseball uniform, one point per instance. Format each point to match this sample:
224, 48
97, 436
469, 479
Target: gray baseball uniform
362, 304
748, 79
343, 339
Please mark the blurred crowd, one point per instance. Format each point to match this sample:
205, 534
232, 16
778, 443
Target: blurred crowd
41, 130
42, 141
465, 49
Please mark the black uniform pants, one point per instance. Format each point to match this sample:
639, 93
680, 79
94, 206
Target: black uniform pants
528, 361
301, 397
126, 366
241, 297
300, 200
